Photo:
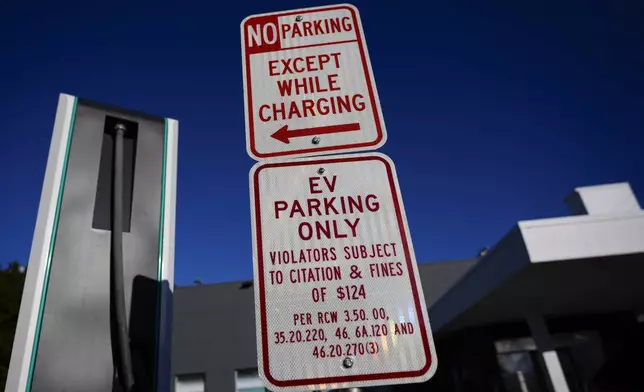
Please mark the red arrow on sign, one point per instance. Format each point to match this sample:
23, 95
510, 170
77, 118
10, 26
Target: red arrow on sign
284, 135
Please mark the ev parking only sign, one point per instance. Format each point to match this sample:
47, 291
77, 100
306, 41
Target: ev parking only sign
308, 84
339, 302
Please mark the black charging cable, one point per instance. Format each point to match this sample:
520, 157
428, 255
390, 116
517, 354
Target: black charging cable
117, 286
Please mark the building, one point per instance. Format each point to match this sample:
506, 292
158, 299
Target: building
556, 305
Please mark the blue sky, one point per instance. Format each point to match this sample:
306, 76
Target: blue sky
494, 112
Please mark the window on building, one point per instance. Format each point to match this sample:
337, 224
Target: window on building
190, 383
520, 372
519, 364
248, 380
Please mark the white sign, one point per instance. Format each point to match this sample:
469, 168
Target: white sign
338, 298
308, 84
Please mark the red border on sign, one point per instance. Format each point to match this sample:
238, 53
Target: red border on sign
365, 66
410, 271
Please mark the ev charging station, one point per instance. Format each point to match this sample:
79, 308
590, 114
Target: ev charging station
96, 310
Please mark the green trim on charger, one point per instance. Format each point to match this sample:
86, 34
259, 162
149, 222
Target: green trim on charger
50, 254
162, 214
161, 246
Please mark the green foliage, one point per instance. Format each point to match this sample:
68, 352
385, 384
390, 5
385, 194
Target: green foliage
12, 278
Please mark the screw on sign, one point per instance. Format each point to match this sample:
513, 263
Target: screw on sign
339, 302
308, 84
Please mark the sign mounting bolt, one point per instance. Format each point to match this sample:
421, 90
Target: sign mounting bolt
316, 140
347, 362
321, 171
298, 18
